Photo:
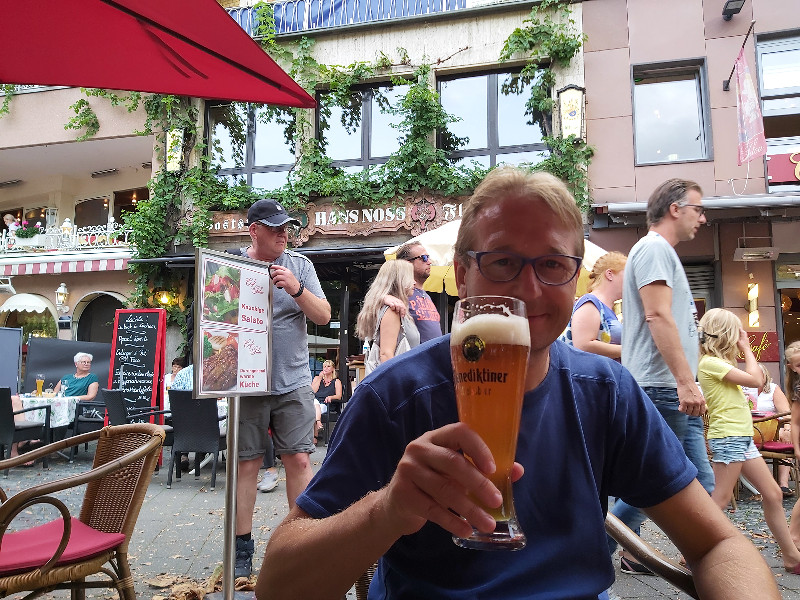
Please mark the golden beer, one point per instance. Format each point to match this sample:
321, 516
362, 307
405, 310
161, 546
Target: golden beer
489, 352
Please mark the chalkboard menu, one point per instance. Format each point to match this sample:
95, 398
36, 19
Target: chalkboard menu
137, 355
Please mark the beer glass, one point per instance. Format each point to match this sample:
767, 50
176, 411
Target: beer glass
39, 384
489, 347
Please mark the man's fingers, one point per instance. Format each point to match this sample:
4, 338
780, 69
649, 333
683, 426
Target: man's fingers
436, 482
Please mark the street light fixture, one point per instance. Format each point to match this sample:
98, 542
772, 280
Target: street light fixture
732, 7
62, 294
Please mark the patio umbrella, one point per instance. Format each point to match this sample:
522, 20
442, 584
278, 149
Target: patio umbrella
181, 47
439, 244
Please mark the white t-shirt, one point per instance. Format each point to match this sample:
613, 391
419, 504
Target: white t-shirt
652, 259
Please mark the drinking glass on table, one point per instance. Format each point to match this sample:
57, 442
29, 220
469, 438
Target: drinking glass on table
39, 384
489, 347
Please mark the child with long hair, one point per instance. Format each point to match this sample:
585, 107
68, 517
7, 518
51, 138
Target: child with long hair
792, 356
730, 424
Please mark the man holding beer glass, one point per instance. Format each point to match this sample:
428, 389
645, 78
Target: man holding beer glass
403, 476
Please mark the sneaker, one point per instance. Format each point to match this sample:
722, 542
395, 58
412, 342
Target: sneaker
632, 567
268, 482
243, 566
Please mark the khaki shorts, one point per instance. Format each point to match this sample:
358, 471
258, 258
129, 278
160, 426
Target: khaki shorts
291, 417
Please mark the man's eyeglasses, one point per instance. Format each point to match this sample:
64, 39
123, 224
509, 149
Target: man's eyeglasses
425, 258
550, 269
698, 208
275, 228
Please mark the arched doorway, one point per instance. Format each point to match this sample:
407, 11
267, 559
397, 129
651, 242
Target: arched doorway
95, 317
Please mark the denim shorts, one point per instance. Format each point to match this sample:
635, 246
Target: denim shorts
733, 449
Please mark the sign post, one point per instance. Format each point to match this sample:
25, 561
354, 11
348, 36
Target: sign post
233, 357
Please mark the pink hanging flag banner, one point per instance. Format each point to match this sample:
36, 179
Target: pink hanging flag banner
752, 143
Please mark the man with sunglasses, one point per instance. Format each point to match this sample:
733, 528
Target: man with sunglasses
659, 340
422, 308
289, 410
396, 484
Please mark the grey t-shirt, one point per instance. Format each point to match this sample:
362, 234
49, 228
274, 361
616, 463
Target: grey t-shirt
651, 259
290, 369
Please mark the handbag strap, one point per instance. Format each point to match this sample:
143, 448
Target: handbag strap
376, 337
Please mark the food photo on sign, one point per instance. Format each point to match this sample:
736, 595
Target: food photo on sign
220, 361
221, 294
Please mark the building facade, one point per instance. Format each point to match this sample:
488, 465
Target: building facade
657, 107
654, 108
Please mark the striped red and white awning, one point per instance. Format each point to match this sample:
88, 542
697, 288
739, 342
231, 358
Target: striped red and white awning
32, 265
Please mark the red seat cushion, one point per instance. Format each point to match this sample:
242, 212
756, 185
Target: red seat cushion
30, 548
777, 447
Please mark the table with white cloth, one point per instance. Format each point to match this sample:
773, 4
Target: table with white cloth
62, 409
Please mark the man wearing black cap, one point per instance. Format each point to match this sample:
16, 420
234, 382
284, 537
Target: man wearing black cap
289, 410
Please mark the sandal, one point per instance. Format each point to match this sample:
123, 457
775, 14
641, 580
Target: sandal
632, 567
787, 491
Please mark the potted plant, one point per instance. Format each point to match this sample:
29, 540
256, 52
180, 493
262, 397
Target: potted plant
28, 232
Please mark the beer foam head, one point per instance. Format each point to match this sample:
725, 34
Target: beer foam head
493, 329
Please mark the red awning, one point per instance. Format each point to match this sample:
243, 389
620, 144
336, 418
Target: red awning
64, 266
182, 47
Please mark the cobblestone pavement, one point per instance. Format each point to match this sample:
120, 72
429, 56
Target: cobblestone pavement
179, 532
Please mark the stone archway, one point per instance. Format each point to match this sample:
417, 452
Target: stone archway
94, 316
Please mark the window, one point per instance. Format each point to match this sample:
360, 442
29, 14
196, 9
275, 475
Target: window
246, 147
779, 69
93, 211
669, 108
365, 133
125, 202
495, 122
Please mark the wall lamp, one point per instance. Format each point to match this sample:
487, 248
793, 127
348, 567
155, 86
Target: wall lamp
62, 294
751, 306
165, 297
10, 182
732, 7
104, 173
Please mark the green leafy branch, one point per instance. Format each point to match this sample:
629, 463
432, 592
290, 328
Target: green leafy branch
9, 90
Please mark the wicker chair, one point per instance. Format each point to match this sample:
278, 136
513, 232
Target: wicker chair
678, 576
61, 554
766, 431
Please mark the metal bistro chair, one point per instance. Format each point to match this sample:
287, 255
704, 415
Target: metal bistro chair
196, 429
12, 431
64, 552
120, 414
330, 417
89, 416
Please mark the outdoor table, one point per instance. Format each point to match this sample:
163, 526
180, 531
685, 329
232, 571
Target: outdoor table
62, 409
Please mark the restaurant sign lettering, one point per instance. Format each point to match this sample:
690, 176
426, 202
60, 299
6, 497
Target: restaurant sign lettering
418, 213
764, 345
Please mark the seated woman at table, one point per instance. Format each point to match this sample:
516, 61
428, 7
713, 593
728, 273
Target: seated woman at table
771, 399
83, 384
